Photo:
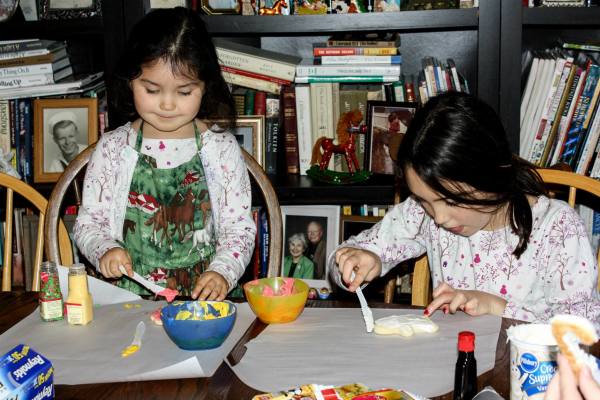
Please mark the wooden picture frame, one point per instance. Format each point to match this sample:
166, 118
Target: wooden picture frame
215, 7
250, 133
299, 220
60, 116
68, 9
352, 225
386, 124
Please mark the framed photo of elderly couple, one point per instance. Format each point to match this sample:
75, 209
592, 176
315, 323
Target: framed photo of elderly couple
310, 234
63, 128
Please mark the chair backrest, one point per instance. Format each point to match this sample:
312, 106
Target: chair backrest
421, 289
39, 202
260, 178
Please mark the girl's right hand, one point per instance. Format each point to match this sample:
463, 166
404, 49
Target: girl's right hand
112, 259
365, 264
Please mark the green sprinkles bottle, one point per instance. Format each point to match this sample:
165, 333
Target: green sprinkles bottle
50, 297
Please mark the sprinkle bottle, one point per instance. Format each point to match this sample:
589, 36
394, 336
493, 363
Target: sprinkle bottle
79, 302
465, 374
50, 297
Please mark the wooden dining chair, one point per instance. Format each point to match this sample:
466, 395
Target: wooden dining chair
68, 180
33, 200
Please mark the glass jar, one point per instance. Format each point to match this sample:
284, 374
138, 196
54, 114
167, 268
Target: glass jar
79, 304
50, 297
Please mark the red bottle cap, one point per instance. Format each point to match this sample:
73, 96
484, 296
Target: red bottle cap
466, 341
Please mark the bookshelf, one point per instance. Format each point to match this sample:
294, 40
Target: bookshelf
470, 36
534, 28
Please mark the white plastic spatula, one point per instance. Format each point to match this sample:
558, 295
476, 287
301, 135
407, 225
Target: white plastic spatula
364, 307
153, 287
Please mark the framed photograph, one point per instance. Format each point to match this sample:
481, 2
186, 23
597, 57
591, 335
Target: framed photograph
352, 225
220, 6
63, 128
387, 123
65, 9
249, 133
310, 234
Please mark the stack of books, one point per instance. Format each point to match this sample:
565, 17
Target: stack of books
255, 68
33, 62
359, 58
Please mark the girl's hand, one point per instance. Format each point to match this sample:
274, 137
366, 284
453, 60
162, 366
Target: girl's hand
564, 384
472, 302
210, 286
365, 264
112, 259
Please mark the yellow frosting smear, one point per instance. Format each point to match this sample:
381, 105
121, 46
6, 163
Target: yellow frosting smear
183, 314
129, 350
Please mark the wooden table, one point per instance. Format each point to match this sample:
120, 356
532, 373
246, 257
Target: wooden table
224, 384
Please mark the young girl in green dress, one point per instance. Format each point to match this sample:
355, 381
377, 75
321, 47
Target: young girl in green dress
167, 195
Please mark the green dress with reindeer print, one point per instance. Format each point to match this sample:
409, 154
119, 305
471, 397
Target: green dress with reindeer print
167, 228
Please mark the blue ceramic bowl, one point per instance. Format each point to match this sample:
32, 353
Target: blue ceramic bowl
198, 325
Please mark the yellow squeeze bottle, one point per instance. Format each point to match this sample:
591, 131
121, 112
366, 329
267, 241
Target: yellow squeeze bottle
79, 301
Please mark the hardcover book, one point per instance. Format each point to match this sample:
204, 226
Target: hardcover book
371, 39
321, 49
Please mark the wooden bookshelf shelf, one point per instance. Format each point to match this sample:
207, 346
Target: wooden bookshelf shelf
51, 28
562, 16
294, 189
236, 25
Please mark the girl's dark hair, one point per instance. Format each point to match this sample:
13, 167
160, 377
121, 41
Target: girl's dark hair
456, 138
177, 36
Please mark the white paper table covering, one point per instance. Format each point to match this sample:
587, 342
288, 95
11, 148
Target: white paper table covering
92, 353
330, 346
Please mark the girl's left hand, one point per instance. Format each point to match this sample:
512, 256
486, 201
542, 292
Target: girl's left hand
472, 302
210, 286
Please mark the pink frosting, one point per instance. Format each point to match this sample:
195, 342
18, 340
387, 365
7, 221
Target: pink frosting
285, 290
168, 294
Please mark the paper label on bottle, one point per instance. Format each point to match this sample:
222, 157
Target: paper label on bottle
74, 313
51, 309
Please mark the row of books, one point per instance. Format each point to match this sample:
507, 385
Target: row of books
366, 210
560, 121
560, 3
17, 122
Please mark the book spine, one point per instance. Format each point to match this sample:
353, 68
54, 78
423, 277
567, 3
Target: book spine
303, 119
260, 103
347, 70
4, 126
249, 101
26, 81
247, 62
347, 79
354, 51
361, 43
28, 144
567, 114
16, 138
22, 54
290, 130
36, 59
271, 133
254, 75
393, 60
22, 132
24, 70
252, 83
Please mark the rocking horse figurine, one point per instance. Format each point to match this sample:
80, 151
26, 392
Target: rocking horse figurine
275, 10
349, 124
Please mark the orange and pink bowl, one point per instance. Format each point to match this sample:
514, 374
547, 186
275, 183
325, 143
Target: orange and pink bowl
276, 300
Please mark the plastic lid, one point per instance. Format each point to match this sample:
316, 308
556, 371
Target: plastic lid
466, 341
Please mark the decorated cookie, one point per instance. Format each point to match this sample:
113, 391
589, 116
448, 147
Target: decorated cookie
404, 325
569, 331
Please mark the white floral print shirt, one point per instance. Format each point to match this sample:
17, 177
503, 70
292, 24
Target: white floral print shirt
99, 225
557, 273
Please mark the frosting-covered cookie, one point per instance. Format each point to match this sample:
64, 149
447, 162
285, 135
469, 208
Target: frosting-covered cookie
404, 325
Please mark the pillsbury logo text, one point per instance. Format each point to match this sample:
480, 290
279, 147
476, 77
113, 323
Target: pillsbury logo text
537, 374
22, 371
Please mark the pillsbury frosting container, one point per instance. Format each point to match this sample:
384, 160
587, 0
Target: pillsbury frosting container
532, 360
